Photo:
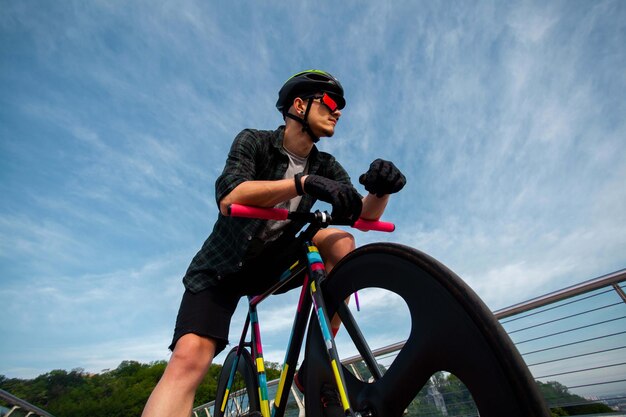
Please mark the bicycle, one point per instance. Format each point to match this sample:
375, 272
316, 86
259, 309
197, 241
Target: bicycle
465, 339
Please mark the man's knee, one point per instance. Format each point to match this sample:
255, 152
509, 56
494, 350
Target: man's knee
334, 244
334, 240
345, 242
192, 354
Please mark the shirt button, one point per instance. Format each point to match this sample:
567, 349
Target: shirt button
240, 264
249, 237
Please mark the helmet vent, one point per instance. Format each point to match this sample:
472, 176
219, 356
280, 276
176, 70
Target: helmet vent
317, 77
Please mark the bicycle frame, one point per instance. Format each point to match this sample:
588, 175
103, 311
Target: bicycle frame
311, 302
315, 273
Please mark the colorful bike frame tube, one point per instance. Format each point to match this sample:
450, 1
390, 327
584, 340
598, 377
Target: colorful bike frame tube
314, 275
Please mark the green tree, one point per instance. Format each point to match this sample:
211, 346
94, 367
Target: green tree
563, 403
113, 393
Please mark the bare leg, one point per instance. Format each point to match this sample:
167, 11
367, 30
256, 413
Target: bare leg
174, 394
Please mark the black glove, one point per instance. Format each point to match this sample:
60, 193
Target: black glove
345, 200
382, 178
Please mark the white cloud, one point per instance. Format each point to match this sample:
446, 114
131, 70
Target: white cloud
506, 119
92, 357
529, 25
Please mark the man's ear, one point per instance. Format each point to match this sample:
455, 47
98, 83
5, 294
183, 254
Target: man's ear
299, 105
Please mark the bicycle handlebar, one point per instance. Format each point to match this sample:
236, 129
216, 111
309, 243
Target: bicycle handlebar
239, 210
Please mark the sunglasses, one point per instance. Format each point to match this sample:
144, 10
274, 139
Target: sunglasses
327, 101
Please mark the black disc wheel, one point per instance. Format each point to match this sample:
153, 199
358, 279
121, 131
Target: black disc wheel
451, 330
242, 399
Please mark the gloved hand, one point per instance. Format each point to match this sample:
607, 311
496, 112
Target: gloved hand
344, 198
382, 178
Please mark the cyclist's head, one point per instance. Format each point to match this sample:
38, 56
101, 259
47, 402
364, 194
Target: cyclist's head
310, 84
306, 84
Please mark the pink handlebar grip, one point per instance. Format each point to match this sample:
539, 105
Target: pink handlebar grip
237, 210
365, 225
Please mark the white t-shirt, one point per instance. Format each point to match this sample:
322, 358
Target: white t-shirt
272, 229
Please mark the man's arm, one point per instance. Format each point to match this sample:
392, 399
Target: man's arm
382, 179
344, 198
270, 193
373, 206
260, 194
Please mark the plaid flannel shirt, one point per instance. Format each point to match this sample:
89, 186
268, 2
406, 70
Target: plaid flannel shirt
254, 155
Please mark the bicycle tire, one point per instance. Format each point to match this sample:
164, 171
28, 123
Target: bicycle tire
451, 330
243, 397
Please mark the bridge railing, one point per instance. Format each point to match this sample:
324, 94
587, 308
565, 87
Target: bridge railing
20, 407
573, 340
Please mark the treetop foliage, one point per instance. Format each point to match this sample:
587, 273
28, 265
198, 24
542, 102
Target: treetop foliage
123, 392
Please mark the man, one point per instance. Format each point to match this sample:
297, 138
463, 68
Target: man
266, 169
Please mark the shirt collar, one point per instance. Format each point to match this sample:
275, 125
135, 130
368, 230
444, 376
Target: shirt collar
277, 142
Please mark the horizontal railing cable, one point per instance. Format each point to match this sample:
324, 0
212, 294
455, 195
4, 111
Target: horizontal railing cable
581, 370
566, 317
596, 384
539, 311
574, 343
576, 356
561, 402
569, 330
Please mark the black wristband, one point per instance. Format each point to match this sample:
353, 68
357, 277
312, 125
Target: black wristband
298, 179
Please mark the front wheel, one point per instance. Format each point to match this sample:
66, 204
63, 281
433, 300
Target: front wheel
237, 387
451, 330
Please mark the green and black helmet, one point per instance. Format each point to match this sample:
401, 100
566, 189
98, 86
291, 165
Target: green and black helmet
307, 83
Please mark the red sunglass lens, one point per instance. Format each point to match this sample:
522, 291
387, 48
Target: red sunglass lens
329, 102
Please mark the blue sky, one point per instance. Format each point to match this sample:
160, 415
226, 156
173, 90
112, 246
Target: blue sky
508, 119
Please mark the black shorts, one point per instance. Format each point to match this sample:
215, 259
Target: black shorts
208, 312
